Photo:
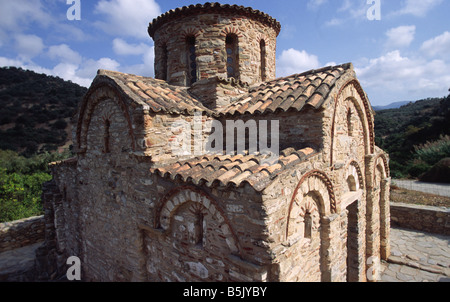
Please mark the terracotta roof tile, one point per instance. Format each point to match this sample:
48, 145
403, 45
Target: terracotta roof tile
225, 170
156, 94
283, 94
293, 92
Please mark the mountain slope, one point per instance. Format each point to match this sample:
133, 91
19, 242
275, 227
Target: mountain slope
35, 110
399, 130
391, 106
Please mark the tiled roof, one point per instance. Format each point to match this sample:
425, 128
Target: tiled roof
226, 170
212, 7
289, 93
156, 94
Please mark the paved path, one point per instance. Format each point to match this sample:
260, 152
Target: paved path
433, 188
16, 265
417, 257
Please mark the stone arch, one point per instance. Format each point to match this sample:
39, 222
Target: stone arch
179, 196
364, 112
382, 199
313, 202
353, 169
231, 30
320, 185
381, 162
190, 31
98, 93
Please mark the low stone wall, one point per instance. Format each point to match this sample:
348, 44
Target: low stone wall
422, 218
20, 233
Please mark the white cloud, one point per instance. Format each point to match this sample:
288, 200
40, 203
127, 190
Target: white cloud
438, 46
315, 4
64, 53
28, 46
418, 8
121, 47
127, 20
397, 78
401, 36
90, 67
354, 9
17, 14
6, 62
293, 61
334, 22
349, 10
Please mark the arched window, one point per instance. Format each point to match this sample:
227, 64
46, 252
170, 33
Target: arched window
349, 123
262, 46
191, 60
198, 229
197, 222
308, 223
351, 182
232, 49
106, 136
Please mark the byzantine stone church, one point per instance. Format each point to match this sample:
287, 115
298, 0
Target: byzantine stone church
133, 209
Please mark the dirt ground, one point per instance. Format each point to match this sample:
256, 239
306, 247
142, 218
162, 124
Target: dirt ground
415, 197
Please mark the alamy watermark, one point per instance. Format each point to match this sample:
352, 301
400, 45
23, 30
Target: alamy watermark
374, 11
200, 137
74, 271
373, 270
74, 11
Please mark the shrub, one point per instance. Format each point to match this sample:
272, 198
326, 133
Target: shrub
20, 195
433, 152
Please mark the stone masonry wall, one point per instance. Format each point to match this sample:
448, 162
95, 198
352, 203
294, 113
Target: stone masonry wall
227, 245
210, 31
422, 218
20, 233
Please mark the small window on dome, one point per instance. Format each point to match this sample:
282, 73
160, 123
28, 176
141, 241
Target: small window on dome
164, 63
232, 50
262, 46
191, 60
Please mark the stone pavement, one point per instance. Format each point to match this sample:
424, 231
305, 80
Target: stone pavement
17, 265
432, 188
417, 257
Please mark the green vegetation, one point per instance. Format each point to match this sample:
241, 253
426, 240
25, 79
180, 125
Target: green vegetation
21, 182
35, 112
415, 135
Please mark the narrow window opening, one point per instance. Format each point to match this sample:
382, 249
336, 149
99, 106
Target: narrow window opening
106, 137
191, 60
199, 233
308, 225
349, 123
232, 51
262, 46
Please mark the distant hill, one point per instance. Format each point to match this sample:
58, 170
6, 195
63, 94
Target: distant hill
35, 110
399, 130
391, 106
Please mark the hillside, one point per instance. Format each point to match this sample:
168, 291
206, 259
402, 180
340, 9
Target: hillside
35, 110
403, 131
390, 106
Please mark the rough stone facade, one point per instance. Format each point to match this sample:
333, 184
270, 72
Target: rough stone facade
20, 233
422, 218
132, 209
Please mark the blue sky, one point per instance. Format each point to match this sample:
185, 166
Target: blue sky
403, 56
